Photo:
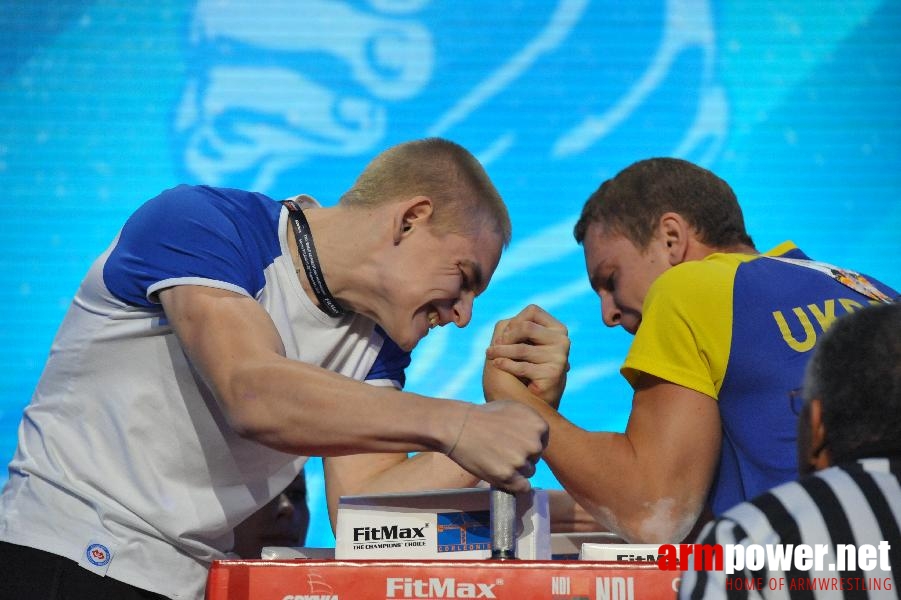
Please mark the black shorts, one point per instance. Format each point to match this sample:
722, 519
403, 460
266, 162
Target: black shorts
31, 574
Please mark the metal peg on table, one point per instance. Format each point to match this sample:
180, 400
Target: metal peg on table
503, 524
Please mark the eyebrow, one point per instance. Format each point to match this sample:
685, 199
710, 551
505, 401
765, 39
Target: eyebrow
595, 279
477, 276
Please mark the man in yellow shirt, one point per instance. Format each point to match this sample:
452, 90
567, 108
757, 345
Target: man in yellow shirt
722, 335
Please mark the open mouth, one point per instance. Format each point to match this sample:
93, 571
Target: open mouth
433, 319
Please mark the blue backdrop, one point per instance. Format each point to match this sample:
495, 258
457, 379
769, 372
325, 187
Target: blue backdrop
105, 103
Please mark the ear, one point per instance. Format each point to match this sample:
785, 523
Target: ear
676, 235
820, 456
411, 214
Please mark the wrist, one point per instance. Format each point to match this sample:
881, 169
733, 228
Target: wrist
453, 446
443, 427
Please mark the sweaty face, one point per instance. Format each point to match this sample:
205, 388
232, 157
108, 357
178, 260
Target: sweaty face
437, 278
620, 274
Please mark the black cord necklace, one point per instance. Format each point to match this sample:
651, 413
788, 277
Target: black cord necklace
307, 252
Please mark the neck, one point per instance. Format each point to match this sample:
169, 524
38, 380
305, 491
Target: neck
307, 255
343, 247
699, 250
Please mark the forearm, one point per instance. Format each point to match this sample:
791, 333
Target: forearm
302, 409
290, 405
387, 473
328, 415
620, 486
391, 473
568, 516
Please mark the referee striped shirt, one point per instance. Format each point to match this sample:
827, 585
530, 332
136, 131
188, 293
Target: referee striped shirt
856, 503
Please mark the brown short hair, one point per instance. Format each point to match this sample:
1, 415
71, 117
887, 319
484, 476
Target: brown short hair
632, 202
463, 196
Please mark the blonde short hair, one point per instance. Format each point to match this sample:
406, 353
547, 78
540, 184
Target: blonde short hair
463, 196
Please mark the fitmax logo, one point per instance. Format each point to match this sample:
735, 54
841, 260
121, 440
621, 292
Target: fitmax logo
638, 557
387, 532
436, 587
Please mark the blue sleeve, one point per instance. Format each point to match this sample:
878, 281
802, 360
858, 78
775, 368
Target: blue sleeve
390, 364
194, 235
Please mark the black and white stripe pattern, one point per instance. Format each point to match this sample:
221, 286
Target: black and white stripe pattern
858, 503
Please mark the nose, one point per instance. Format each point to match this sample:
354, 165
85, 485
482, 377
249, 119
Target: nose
463, 309
610, 313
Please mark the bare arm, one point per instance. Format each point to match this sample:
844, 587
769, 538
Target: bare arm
303, 409
568, 516
648, 484
387, 473
547, 345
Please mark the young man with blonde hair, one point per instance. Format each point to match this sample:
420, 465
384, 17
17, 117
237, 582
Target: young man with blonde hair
214, 346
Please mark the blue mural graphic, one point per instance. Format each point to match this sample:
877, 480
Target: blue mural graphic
105, 104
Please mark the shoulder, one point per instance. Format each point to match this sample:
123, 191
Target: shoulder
186, 197
194, 234
196, 212
686, 325
198, 207
698, 277
696, 287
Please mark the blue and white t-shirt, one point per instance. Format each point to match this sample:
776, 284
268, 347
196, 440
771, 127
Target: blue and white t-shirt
125, 461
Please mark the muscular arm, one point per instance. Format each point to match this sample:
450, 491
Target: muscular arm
388, 473
303, 409
568, 516
647, 484
548, 349
286, 404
